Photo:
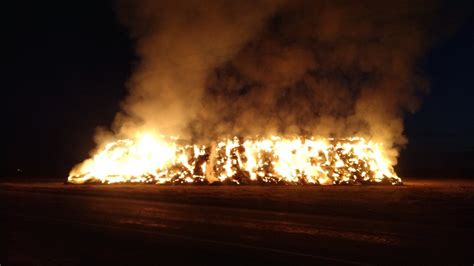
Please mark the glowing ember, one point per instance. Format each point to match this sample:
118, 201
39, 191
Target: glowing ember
149, 159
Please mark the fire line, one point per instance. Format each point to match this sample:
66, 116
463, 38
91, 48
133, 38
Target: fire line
273, 160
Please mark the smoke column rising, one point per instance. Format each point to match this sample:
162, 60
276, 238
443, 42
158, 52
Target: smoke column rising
211, 69
179, 44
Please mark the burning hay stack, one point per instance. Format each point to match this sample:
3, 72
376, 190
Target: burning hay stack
210, 70
274, 160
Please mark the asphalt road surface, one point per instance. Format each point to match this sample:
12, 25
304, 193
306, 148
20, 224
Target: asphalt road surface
422, 222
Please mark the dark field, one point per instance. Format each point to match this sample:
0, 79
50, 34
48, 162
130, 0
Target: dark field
423, 222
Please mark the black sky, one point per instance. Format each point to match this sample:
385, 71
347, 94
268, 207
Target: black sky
67, 64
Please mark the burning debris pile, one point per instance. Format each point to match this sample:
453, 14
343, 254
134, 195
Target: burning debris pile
274, 160
261, 68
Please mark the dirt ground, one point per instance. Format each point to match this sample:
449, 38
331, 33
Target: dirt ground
423, 221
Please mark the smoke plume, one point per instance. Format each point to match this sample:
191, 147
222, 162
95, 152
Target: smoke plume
179, 43
210, 69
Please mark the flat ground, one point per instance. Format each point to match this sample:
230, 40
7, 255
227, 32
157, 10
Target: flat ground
422, 222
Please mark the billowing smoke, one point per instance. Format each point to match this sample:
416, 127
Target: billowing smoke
211, 69
328, 68
179, 43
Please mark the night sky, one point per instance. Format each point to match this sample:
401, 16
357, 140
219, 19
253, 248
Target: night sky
68, 63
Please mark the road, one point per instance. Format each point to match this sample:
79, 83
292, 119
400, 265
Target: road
50, 223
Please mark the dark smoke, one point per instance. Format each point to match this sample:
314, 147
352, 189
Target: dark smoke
328, 68
212, 69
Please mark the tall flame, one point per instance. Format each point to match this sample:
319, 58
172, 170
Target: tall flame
160, 160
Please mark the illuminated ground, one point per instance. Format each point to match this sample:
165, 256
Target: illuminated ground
55, 224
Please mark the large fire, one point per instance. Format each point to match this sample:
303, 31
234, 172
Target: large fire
159, 160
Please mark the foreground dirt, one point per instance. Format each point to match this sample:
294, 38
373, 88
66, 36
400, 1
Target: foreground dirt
429, 222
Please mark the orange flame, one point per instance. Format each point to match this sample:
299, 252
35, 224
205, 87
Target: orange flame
150, 159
